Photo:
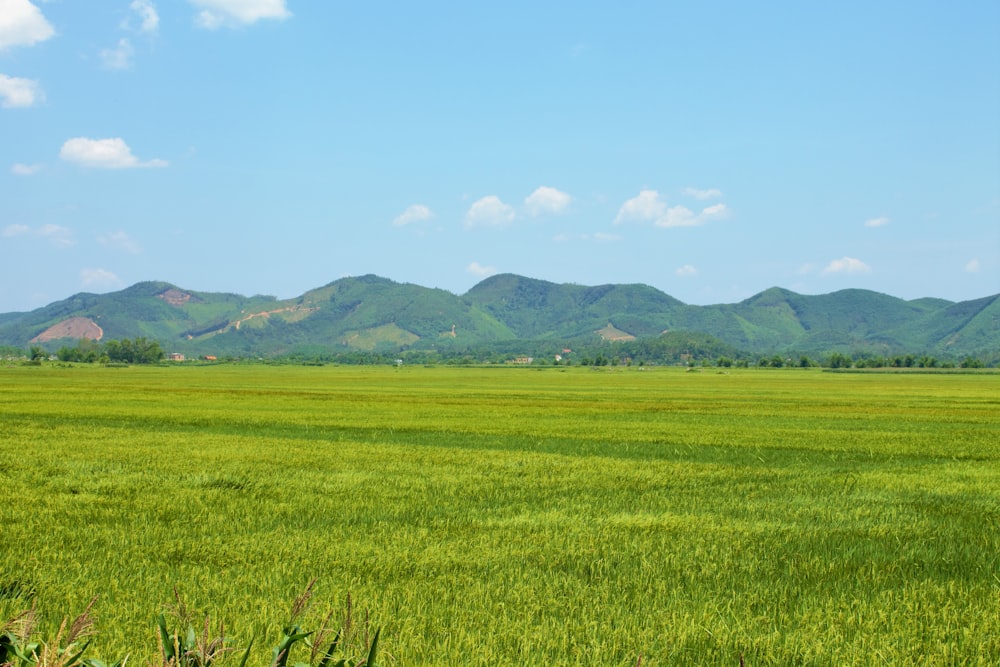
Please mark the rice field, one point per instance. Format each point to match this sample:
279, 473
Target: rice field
482, 516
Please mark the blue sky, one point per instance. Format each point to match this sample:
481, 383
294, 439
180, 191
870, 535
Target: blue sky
710, 149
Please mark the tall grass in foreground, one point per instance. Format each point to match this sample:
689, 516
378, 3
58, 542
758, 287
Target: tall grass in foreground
188, 646
493, 516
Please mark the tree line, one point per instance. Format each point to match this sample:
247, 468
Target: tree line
125, 351
689, 350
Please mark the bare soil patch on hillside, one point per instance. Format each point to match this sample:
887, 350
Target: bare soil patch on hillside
74, 327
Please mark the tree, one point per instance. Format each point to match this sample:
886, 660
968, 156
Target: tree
839, 360
138, 351
113, 350
86, 351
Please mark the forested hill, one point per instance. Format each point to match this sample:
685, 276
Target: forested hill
370, 313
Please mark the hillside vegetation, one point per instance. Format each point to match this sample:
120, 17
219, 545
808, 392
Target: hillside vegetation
375, 315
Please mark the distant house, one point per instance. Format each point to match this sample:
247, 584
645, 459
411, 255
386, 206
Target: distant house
175, 356
524, 361
209, 357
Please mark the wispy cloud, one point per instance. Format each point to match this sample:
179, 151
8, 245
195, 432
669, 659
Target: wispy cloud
216, 14
99, 278
602, 237
681, 216
477, 269
119, 57
413, 213
848, 265
149, 19
972, 266
547, 200
11, 231
489, 212
104, 154
120, 241
57, 235
25, 169
22, 24
877, 222
709, 193
597, 237
16, 92
686, 271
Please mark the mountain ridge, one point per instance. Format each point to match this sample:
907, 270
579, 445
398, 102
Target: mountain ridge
372, 313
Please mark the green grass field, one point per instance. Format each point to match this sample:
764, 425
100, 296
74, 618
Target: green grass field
512, 515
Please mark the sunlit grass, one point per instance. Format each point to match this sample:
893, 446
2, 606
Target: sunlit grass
498, 515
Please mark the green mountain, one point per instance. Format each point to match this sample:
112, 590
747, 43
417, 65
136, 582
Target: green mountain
154, 310
373, 314
778, 319
538, 309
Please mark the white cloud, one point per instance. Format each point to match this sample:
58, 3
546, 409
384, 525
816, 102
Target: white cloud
648, 206
17, 92
119, 57
681, 216
686, 271
149, 19
678, 216
710, 193
22, 24
99, 278
547, 200
477, 269
120, 241
645, 207
877, 222
104, 153
847, 265
15, 230
413, 213
25, 169
972, 266
234, 13
489, 212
